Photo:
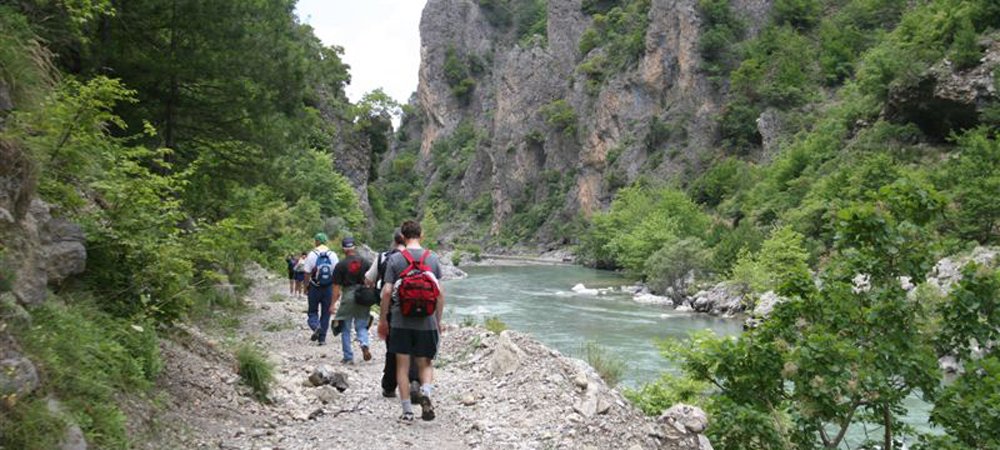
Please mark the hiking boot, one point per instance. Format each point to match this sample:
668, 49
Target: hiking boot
389, 393
321, 343
426, 408
366, 353
315, 335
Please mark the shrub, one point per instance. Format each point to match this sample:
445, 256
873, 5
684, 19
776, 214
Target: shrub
669, 390
801, 14
609, 367
532, 19
974, 179
494, 324
721, 30
621, 32
255, 370
780, 265
560, 115
667, 269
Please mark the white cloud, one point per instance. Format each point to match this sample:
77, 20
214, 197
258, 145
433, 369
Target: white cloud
381, 41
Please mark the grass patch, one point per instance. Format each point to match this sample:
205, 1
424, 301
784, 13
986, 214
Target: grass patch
29, 425
88, 358
468, 321
255, 370
494, 324
609, 367
277, 298
273, 327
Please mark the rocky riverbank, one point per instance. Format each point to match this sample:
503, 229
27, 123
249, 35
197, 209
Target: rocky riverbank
493, 391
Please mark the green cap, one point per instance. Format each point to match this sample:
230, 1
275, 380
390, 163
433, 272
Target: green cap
321, 238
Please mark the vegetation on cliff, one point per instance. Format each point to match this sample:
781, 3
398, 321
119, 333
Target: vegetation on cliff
188, 138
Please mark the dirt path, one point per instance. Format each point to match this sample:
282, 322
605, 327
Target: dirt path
505, 391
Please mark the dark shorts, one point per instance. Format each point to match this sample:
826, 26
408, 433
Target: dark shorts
421, 343
300, 276
291, 274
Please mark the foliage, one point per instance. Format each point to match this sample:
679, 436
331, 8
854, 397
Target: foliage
669, 390
641, 221
773, 73
780, 265
494, 324
92, 357
973, 178
608, 366
620, 33
800, 14
720, 182
721, 29
255, 370
30, 425
560, 115
458, 75
668, 268
531, 17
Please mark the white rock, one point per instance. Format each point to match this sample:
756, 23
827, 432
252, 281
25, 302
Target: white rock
579, 288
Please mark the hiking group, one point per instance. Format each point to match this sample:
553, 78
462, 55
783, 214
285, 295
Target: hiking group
403, 281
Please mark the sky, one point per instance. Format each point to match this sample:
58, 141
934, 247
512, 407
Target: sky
381, 41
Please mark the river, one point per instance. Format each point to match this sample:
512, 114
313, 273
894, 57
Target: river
539, 300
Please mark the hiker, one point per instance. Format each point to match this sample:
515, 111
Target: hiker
291, 260
318, 267
413, 294
300, 275
375, 277
348, 277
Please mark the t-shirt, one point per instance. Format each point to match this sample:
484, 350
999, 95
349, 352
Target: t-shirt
394, 268
310, 263
349, 274
372, 274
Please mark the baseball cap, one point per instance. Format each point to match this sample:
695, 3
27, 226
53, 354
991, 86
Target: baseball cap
321, 238
347, 243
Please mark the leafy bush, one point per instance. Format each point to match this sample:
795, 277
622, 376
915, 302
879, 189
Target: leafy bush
532, 19
667, 269
669, 390
800, 14
609, 367
621, 32
973, 179
721, 30
494, 324
255, 370
560, 115
640, 222
458, 75
780, 265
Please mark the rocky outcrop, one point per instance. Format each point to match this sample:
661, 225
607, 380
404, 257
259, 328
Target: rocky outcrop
723, 299
948, 271
43, 251
945, 99
656, 117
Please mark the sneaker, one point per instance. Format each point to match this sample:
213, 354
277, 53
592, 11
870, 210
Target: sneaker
426, 408
348, 362
368, 354
321, 343
406, 418
389, 393
315, 335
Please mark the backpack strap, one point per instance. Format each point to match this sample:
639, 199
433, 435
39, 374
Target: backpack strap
423, 258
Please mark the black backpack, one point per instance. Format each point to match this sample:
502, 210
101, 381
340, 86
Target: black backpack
383, 264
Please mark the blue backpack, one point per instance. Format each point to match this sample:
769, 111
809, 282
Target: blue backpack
323, 273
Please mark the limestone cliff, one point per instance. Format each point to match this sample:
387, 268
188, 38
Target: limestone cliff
654, 118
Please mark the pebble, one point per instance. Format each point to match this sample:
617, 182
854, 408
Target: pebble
468, 400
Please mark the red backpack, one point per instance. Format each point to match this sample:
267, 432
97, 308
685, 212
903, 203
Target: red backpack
418, 290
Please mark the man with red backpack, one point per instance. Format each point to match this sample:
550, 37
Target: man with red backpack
412, 293
319, 266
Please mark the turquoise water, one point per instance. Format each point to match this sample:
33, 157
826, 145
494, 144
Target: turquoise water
539, 300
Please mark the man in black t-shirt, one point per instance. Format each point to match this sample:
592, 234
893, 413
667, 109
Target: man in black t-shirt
348, 276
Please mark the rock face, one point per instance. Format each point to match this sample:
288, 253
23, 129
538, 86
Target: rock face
944, 99
655, 117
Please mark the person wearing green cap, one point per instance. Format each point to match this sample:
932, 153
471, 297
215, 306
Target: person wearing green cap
319, 277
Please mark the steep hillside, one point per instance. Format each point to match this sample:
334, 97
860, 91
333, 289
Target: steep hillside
532, 114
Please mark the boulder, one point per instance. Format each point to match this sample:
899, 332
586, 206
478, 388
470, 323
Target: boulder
18, 377
73, 437
948, 271
324, 375
506, 357
725, 298
944, 99
766, 303
685, 418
